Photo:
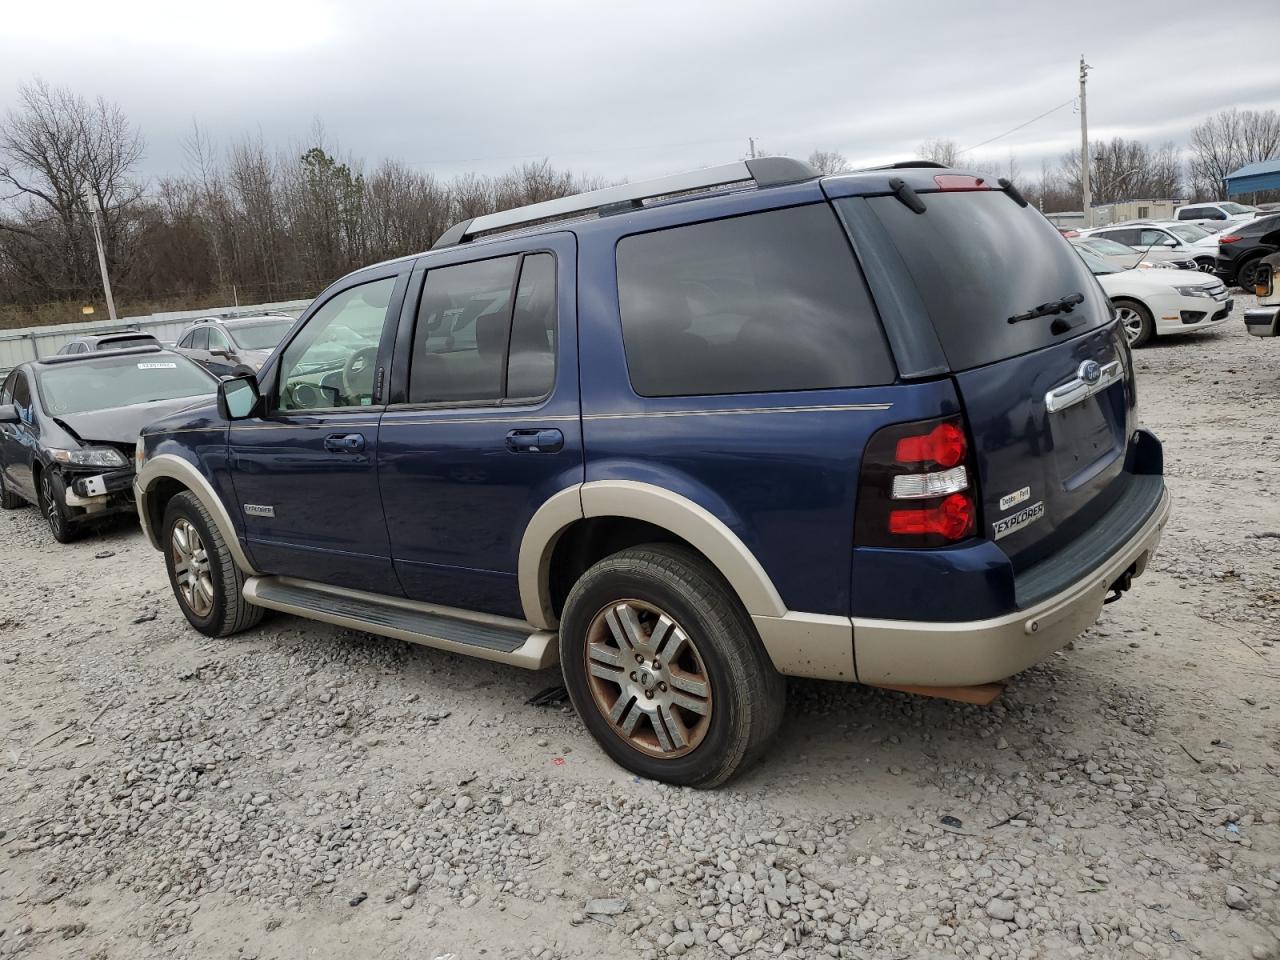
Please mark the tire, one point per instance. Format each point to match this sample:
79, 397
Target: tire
1245, 274
8, 499
713, 647
1135, 320
205, 579
1206, 265
52, 496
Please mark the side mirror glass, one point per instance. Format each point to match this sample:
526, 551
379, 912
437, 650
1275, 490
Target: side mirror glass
238, 398
9, 413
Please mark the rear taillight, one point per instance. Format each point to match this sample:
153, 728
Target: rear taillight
916, 487
1229, 238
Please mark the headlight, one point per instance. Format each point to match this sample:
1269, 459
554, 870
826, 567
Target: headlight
1194, 291
1154, 265
91, 457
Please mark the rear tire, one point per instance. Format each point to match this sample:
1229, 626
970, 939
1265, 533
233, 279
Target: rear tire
208, 585
52, 494
8, 499
1246, 276
666, 669
1135, 319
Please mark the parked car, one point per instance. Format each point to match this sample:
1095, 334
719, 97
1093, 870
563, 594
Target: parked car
108, 341
1241, 249
233, 346
1124, 257
1150, 303
686, 446
1264, 319
1185, 245
1215, 215
69, 426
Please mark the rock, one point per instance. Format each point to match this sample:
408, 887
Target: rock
998, 909
1236, 899
606, 907
463, 804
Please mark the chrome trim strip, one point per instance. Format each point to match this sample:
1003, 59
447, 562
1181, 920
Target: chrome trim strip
1078, 389
827, 408
496, 418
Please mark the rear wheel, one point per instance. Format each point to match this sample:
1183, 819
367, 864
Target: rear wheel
665, 667
1206, 265
8, 499
53, 505
204, 576
1249, 274
1136, 321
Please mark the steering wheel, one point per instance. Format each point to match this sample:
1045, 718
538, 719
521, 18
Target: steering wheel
357, 373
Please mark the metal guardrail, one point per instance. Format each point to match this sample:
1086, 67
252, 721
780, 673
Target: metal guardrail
33, 343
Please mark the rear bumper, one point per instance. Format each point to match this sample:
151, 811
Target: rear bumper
1263, 321
903, 652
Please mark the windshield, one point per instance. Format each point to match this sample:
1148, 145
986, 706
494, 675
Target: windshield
106, 382
976, 259
1103, 245
259, 336
1234, 208
1187, 232
1095, 263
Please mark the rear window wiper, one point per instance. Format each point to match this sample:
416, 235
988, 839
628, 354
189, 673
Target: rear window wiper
1062, 305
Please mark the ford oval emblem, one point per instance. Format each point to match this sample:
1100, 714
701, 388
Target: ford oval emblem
1090, 372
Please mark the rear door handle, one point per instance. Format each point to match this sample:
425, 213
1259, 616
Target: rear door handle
344, 443
535, 441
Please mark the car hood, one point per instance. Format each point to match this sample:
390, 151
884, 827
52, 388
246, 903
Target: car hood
1153, 281
123, 424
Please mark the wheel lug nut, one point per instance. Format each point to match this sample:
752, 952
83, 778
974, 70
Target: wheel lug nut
634, 678
657, 665
639, 659
662, 687
648, 694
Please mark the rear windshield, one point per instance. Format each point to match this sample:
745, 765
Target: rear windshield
766, 302
977, 259
260, 336
106, 382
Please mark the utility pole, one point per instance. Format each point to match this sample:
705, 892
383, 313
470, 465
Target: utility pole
1086, 192
102, 257
752, 142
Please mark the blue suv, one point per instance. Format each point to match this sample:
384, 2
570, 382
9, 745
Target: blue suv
686, 437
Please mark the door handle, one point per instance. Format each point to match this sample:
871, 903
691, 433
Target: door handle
344, 443
535, 441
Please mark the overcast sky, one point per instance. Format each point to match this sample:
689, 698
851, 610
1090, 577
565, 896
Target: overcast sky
632, 89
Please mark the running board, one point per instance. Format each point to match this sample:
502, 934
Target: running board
501, 639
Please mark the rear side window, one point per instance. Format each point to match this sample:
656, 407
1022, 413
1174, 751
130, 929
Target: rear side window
977, 259
767, 302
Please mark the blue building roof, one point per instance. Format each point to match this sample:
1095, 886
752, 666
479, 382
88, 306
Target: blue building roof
1263, 175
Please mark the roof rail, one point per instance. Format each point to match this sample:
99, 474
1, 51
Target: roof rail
909, 164
765, 171
99, 354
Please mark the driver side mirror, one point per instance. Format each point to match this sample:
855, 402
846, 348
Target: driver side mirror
9, 413
238, 398
224, 354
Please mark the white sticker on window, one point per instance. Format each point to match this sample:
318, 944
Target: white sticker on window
157, 365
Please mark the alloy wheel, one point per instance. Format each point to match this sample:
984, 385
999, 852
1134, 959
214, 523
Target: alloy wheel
1131, 322
51, 511
648, 679
191, 568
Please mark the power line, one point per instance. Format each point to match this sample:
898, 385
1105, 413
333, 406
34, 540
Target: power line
574, 153
1020, 126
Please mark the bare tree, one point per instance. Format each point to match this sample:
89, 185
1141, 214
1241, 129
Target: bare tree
1225, 141
940, 151
1121, 169
827, 162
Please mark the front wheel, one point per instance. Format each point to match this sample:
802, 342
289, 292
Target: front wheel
1136, 321
1206, 265
52, 495
666, 669
204, 576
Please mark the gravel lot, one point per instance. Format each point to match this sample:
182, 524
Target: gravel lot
304, 791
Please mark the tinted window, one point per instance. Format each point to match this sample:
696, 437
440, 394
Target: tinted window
6, 391
531, 366
977, 259
123, 343
200, 339
22, 397
321, 370
1128, 237
766, 302
1190, 213
460, 342
260, 336
217, 339
108, 381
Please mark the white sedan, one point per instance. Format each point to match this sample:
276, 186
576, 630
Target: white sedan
1153, 303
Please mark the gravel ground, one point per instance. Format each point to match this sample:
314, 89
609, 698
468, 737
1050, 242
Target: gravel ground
305, 791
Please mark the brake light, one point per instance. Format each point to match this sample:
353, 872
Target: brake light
956, 181
952, 519
1229, 238
916, 487
944, 445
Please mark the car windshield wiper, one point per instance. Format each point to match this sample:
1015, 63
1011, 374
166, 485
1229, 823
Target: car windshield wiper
1062, 305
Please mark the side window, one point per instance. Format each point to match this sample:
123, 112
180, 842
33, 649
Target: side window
6, 391
200, 339
22, 397
1127, 237
186, 340
460, 340
1154, 238
218, 340
321, 370
1189, 213
531, 366
1213, 213
767, 302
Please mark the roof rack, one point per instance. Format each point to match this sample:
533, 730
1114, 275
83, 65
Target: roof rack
765, 171
909, 164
